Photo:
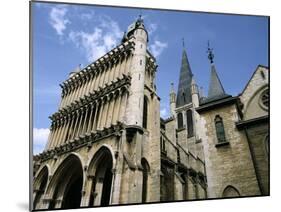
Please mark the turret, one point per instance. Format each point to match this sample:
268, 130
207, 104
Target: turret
194, 93
172, 100
134, 111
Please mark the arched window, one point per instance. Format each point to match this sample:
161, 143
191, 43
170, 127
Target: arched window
220, 129
180, 121
189, 121
144, 117
145, 171
230, 191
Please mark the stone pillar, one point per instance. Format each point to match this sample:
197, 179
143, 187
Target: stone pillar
67, 120
54, 143
104, 114
116, 108
90, 118
95, 117
110, 111
50, 138
85, 120
100, 114
71, 126
97, 83
81, 114
75, 126
123, 106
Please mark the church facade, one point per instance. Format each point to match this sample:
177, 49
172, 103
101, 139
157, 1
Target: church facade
109, 146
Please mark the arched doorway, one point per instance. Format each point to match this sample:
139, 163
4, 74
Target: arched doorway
101, 168
40, 186
66, 184
230, 191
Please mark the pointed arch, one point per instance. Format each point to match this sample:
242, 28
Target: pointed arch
65, 187
40, 184
180, 120
230, 191
100, 171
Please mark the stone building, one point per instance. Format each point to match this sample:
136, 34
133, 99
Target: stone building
108, 144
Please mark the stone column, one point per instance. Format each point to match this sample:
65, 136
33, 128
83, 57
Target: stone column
116, 108
95, 117
104, 114
123, 106
90, 118
92, 87
97, 80
81, 114
85, 120
100, 114
63, 123
75, 125
50, 138
123, 59
67, 121
72, 122
98, 84
114, 65
103, 76
91, 78
110, 112
84, 84
57, 133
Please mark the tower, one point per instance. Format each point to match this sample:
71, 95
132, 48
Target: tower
134, 112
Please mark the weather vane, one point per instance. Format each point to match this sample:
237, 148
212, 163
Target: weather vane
210, 53
183, 42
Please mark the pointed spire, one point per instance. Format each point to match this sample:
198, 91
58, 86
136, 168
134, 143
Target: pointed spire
215, 86
184, 87
216, 90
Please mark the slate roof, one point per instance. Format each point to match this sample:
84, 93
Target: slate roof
184, 87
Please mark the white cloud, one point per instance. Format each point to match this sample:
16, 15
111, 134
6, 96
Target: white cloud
158, 47
58, 19
163, 113
40, 138
103, 38
152, 27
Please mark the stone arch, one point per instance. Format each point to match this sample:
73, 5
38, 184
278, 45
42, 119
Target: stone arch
100, 170
39, 186
230, 191
145, 173
253, 97
65, 187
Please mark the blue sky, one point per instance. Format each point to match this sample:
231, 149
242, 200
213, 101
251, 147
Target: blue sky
65, 36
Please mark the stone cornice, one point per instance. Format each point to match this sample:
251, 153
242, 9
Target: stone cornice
86, 100
81, 141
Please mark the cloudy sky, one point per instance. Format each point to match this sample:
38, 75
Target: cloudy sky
65, 36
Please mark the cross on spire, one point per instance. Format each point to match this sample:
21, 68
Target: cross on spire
210, 53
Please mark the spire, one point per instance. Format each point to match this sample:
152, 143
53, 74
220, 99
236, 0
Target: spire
216, 90
215, 86
184, 87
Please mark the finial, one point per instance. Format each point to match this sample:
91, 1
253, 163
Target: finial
210, 53
183, 42
172, 87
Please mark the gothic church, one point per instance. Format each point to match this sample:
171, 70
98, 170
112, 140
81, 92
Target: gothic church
109, 146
